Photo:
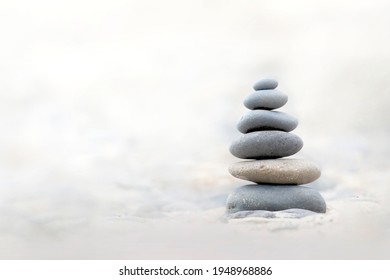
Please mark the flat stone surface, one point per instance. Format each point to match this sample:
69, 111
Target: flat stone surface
265, 99
266, 120
276, 171
265, 83
275, 198
266, 145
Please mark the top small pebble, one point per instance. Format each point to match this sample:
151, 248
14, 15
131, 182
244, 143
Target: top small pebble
266, 83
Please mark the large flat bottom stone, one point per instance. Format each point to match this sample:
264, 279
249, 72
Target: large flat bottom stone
275, 198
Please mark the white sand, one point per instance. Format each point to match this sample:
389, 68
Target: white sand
116, 118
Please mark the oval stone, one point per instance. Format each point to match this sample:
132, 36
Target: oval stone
275, 198
266, 144
265, 99
289, 171
266, 120
266, 83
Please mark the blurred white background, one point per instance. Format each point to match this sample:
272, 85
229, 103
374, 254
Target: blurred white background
116, 118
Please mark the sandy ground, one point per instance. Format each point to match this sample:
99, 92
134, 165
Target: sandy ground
116, 118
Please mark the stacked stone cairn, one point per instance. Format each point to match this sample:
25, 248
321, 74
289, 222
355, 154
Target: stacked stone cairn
266, 140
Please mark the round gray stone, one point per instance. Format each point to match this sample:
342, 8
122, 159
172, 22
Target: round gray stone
266, 120
265, 99
266, 144
286, 171
266, 83
275, 198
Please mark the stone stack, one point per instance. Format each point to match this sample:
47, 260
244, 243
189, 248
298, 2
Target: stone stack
265, 141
